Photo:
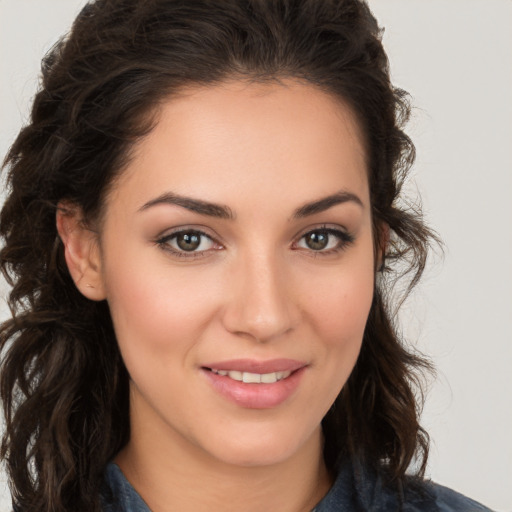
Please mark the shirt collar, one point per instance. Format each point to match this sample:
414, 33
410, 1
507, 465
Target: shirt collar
355, 489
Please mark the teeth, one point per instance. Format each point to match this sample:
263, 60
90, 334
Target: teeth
269, 378
253, 378
235, 375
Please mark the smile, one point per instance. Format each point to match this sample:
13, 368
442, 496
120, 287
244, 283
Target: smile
255, 384
253, 378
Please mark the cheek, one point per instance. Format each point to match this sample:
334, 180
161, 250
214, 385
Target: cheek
337, 309
340, 306
155, 307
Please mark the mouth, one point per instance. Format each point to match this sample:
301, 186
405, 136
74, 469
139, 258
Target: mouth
256, 384
252, 371
252, 378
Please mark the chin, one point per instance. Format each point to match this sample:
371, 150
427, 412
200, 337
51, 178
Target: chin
257, 457
265, 448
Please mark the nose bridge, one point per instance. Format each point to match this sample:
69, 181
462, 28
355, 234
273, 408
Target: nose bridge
261, 305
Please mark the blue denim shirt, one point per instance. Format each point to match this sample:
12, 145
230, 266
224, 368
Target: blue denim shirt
348, 494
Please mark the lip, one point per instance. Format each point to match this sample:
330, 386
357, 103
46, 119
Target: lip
256, 396
254, 366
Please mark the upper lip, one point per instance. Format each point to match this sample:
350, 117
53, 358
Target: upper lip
255, 366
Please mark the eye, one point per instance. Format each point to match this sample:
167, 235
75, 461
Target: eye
325, 240
187, 241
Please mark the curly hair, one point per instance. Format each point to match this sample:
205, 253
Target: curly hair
63, 383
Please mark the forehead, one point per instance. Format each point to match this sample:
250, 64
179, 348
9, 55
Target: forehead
239, 138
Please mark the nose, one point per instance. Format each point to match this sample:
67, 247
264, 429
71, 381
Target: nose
261, 302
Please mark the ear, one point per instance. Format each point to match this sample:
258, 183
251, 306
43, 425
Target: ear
81, 250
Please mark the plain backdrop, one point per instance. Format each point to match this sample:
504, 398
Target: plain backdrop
455, 58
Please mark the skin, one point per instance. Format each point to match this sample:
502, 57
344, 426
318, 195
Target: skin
254, 289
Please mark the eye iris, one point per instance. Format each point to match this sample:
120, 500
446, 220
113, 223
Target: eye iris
317, 240
188, 241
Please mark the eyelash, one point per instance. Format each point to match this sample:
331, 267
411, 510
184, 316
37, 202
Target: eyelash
164, 243
344, 240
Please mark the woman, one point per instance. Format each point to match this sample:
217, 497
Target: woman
201, 234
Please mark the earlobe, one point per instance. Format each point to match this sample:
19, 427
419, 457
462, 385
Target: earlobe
81, 251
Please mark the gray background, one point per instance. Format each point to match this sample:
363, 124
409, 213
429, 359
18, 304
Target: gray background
455, 57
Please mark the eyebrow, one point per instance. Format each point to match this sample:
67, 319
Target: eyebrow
224, 212
325, 203
194, 205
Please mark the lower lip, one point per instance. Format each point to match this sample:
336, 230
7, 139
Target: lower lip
255, 396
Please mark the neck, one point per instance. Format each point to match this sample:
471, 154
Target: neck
171, 475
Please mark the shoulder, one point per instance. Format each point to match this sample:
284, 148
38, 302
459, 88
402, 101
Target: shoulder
357, 489
427, 496
448, 500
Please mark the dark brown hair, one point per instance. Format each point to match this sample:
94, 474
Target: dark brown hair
63, 384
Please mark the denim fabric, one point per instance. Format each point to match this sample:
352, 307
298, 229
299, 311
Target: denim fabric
354, 491
118, 495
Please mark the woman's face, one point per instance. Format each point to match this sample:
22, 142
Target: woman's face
237, 260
